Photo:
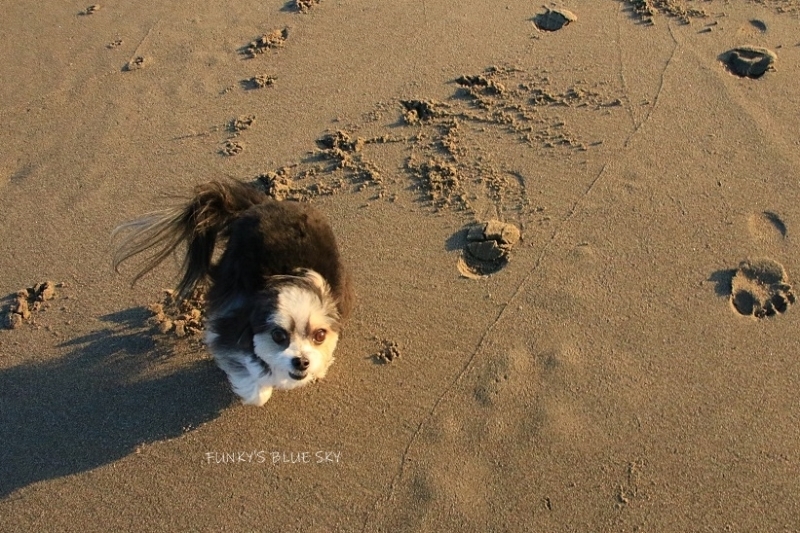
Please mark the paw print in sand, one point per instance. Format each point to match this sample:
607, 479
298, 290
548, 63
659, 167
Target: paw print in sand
749, 61
554, 19
760, 288
488, 247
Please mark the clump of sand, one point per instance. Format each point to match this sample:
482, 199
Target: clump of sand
346, 153
241, 123
91, 10
417, 111
388, 352
179, 317
304, 6
647, 9
480, 85
440, 182
137, 63
274, 39
259, 82
27, 302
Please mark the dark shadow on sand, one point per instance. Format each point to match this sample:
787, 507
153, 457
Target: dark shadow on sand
290, 7
95, 405
723, 280
458, 240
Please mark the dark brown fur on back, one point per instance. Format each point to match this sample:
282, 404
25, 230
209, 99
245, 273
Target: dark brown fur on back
264, 238
276, 238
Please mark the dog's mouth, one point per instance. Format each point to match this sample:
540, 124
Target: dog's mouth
298, 376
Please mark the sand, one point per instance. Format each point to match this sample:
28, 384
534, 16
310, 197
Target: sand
573, 249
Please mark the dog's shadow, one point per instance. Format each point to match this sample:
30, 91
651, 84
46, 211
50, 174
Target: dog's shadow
117, 388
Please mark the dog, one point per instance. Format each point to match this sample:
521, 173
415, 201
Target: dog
277, 296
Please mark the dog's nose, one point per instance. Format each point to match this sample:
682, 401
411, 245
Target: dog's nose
300, 363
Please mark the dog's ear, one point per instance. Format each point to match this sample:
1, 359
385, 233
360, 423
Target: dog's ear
234, 331
262, 308
345, 297
316, 279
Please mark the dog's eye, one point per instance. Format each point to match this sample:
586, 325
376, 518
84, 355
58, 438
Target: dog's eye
279, 336
319, 336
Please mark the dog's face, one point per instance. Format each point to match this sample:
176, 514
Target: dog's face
296, 329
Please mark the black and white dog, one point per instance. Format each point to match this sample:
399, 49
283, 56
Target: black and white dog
277, 296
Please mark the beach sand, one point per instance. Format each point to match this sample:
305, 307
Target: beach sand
629, 364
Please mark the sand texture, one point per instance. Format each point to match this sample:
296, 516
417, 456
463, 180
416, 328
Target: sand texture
572, 231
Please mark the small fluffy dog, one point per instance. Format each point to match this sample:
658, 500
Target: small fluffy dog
278, 294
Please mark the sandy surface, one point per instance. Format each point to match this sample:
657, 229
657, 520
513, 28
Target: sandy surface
629, 364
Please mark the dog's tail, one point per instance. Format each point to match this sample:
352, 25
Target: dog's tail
197, 223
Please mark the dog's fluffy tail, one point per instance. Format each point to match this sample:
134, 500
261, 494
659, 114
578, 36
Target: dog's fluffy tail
197, 223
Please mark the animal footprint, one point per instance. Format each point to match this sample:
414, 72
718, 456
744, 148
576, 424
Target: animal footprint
767, 226
760, 288
554, 19
488, 247
232, 148
749, 61
136, 63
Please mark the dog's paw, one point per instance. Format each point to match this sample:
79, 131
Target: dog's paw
260, 397
250, 392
